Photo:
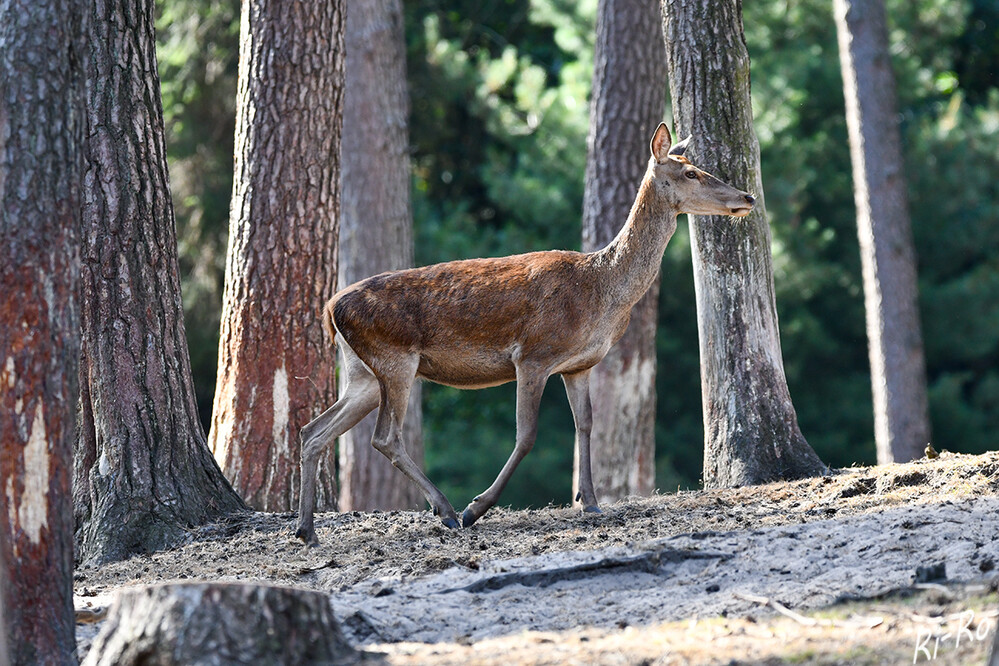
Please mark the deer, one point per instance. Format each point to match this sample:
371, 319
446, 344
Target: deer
476, 323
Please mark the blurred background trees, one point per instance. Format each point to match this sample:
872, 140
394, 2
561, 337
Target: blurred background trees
884, 230
499, 94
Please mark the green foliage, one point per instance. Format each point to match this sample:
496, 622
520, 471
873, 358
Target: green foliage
954, 189
499, 92
498, 127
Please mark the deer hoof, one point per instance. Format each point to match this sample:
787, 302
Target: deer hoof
468, 518
592, 509
450, 522
307, 536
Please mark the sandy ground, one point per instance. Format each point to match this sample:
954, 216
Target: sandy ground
868, 565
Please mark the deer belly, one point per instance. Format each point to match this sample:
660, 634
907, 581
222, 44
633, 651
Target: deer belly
584, 359
467, 370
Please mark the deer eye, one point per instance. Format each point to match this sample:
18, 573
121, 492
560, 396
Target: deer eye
691, 174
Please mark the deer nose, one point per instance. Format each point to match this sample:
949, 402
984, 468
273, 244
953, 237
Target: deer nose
750, 199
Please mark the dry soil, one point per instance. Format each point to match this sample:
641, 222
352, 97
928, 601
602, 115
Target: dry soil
881, 565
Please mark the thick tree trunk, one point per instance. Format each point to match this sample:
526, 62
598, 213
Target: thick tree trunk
629, 77
276, 367
42, 120
231, 623
751, 432
888, 258
376, 225
145, 474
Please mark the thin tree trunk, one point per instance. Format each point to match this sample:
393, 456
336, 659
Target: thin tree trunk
42, 119
145, 474
751, 432
888, 258
276, 367
629, 77
376, 229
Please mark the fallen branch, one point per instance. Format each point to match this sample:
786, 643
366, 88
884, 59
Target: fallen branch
865, 623
307, 570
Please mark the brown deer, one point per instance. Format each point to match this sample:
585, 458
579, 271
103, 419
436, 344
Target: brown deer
483, 322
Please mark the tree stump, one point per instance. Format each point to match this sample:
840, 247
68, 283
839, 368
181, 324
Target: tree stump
220, 623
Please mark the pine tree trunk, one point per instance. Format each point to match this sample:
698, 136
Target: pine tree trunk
276, 367
751, 432
145, 474
629, 77
42, 120
224, 623
376, 225
888, 258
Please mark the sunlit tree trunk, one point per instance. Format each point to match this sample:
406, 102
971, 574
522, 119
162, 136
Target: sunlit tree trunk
376, 229
276, 367
629, 80
144, 475
751, 432
42, 120
888, 258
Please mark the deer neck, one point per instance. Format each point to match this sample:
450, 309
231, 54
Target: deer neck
633, 258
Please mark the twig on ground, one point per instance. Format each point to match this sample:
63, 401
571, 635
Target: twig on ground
867, 623
307, 570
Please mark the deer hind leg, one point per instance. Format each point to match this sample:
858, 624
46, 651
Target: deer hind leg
387, 438
530, 386
577, 387
360, 396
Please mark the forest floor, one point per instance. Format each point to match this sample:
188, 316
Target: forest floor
882, 565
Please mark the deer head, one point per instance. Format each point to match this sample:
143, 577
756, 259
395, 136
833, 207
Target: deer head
690, 189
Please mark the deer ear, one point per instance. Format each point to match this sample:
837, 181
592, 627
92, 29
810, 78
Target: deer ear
680, 148
660, 143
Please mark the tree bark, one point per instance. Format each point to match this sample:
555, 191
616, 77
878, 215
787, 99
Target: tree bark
42, 119
231, 623
376, 229
751, 432
144, 474
888, 257
629, 77
276, 369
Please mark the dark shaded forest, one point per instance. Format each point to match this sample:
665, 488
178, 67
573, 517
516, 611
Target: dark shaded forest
499, 98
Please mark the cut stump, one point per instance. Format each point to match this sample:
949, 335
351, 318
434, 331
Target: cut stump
220, 623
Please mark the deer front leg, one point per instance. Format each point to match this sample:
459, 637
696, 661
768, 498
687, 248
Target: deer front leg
529, 390
577, 387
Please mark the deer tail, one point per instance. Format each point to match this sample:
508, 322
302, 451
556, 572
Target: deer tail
328, 323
